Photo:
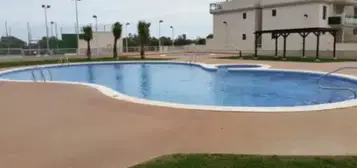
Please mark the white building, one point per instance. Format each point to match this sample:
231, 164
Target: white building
103, 41
235, 21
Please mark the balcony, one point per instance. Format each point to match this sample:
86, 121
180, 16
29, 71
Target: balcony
351, 20
342, 21
215, 7
233, 5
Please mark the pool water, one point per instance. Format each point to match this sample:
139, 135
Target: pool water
192, 84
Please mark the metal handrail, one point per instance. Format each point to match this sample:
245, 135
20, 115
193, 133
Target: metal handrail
337, 88
43, 74
64, 60
43, 77
33, 75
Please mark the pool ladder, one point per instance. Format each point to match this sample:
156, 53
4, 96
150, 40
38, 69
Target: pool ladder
337, 88
43, 76
64, 60
193, 58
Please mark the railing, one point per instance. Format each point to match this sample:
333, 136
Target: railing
337, 88
213, 7
345, 20
43, 77
350, 20
64, 60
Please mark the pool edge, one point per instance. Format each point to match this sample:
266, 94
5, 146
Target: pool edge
119, 96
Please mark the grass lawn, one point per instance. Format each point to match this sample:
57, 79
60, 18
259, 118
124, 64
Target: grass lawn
56, 61
241, 161
288, 58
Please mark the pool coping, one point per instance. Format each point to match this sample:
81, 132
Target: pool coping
119, 96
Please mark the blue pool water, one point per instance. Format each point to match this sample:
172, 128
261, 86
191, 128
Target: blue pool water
238, 66
191, 84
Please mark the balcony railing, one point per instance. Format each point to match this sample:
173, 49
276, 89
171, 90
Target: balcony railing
340, 20
214, 7
350, 20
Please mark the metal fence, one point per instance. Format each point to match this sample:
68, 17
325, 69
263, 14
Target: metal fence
70, 51
104, 50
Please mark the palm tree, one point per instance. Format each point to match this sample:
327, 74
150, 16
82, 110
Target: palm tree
116, 30
144, 34
88, 36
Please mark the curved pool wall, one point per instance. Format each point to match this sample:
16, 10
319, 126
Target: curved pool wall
260, 69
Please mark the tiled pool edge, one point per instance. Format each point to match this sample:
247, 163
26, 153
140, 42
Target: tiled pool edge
116, 95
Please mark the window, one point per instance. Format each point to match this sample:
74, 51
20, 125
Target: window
244, 15
244, 37
324, 11
273, 12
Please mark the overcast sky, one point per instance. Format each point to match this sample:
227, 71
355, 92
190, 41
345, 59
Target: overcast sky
187, 16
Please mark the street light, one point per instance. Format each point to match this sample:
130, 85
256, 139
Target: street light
52, 28
160, 34
227, 32
173, 35
126, 39
45, 7
96, 30
77, 24
56, 30
56, 34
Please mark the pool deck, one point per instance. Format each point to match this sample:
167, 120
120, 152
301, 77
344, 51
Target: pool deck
62, 126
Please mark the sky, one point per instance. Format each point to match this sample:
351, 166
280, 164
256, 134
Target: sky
189, 17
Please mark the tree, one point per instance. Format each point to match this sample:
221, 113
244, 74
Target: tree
200, 41
116, 30
11, 42
144, 35
88, 36
210, 36
182, 40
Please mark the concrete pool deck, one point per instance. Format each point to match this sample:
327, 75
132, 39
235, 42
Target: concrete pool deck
54, 125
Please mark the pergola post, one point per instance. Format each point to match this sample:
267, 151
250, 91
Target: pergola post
334, 34
317, 44
285, 35
257, 35
334, 47
276, 36
304, 32
303, 35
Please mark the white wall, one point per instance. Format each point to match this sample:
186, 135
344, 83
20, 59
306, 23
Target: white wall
234, 30
236, 4
105, 43
274, 2
290, 14
289, 17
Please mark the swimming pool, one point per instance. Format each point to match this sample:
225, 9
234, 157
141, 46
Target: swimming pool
201, 86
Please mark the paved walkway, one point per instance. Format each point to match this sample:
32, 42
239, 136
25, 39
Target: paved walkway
62, 126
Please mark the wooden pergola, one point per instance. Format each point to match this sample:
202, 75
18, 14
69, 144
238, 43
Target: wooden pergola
304, 32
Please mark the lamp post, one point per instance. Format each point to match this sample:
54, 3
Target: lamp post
52, 22
56, 31
160, 34
52, 34
227, 32
45, 7
77, 24
173, 35
96, 32
6, 29
126, 39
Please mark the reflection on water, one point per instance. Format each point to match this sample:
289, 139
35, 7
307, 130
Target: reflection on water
119, 77
90, 74
145, 81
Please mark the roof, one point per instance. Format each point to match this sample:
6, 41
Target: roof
299, 30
